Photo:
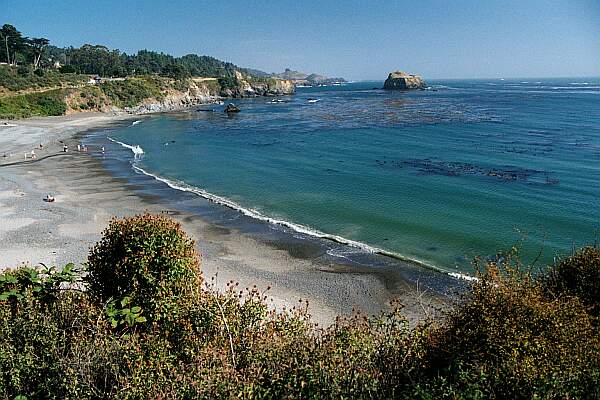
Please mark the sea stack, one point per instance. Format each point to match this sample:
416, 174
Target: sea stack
231, 108
399, 80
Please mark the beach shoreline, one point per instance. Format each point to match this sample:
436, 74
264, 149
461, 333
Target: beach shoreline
88, 195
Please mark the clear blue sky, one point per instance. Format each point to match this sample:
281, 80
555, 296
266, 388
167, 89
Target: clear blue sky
353, 39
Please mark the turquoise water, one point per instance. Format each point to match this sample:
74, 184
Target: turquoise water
439, 176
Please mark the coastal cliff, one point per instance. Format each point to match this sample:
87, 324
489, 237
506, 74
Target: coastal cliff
246, 86
192, 93
157, 94
399, 80
55, 93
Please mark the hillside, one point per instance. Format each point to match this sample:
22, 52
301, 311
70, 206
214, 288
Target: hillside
38, 79
25, 92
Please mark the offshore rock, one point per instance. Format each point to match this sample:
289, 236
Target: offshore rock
231, 108
399, 80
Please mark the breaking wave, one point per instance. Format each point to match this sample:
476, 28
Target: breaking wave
184, 187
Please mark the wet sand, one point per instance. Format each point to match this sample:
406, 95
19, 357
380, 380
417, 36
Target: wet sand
88, 195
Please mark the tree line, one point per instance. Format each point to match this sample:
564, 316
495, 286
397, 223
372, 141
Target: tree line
19, 49
98, 59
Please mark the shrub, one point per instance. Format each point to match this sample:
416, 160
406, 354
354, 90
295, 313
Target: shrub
23, 70
54, 343
16, 79
67, 69
48, 103
132, 91
578, 275
148, 259
509, 337
227, 82
44, 283
509, 340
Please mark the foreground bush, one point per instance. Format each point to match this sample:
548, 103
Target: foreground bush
509, 340
145, 261
578, 275
509, 337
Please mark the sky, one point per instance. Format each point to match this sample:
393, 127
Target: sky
357, 40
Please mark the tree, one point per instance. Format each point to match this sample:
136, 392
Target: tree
13, 41
37, 45
175, 71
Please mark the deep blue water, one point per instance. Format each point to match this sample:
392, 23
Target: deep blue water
440, 176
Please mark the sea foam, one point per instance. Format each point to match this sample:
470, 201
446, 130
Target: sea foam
137, 150
182, 186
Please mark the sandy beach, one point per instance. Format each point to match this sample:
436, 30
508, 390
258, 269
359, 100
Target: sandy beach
87, 196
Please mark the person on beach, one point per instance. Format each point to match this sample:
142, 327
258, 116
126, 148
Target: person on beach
65, 148
41, 146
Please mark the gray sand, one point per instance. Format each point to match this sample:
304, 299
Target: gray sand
34, 231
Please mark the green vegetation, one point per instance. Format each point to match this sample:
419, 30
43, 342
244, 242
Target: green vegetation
578, 276
128, 92
98, 59
131, 92
227, 82
89, 97
19, 49
14, 79
148, 260
46, 103
128, 80
514, 337
146, 326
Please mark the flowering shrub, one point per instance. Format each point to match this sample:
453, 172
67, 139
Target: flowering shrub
149, 260
146, 327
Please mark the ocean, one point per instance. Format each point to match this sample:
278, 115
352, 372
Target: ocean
467, 168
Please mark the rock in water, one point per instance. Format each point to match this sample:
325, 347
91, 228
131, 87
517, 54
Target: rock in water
231, 108
399, 80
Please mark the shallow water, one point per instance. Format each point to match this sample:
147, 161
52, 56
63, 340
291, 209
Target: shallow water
439, 176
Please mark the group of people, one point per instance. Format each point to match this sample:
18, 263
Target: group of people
33, 155
80, 148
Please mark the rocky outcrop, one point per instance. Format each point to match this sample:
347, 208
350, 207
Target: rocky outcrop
274, 87
195, 93
253, 87
173, 95
231, 108
399, 80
